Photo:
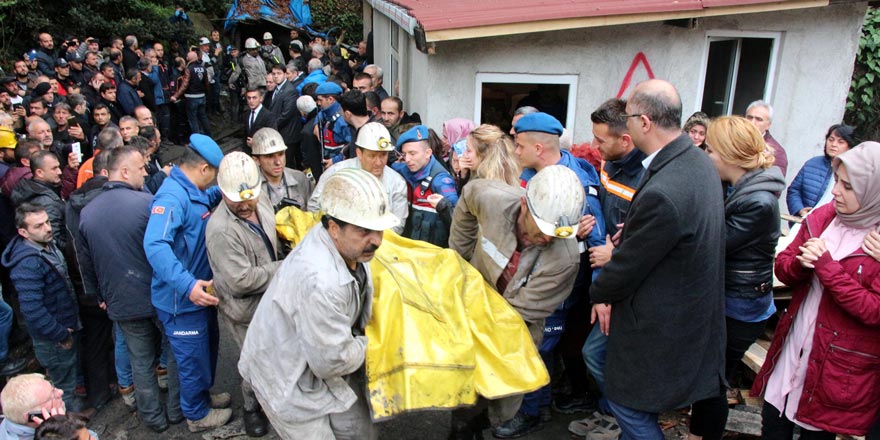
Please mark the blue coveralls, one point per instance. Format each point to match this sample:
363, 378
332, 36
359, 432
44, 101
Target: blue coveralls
175, 246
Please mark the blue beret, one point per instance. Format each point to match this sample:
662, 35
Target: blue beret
207, 148
328, 88
415, 134
538, 122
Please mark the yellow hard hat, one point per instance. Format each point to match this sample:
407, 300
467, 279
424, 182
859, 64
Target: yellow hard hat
7, 138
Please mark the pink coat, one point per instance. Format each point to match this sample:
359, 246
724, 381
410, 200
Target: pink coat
842, 384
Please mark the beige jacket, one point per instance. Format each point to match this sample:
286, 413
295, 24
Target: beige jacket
301, 343
484, 233
395, 188
241, 263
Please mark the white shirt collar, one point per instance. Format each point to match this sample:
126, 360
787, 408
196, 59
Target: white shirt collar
646, 162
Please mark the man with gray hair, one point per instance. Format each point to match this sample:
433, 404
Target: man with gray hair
24, 394
520, 112
316, 74
375, 72
761, 114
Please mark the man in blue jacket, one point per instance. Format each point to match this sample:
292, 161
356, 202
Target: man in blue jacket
46, 298
430, 216
127, 95
182, 290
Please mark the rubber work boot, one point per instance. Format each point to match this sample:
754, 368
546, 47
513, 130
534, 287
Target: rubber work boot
221, 400
162, 378
255, 423
128, 397
520, 425
215, 419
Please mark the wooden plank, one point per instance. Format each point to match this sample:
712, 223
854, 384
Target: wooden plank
745, 422
754, 357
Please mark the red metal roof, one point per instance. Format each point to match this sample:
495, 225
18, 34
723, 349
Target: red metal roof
435, 15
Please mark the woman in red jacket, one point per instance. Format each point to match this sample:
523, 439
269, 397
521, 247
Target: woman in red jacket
822, 371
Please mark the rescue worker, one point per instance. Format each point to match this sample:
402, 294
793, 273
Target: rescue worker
244, 254
252, 66
330, 127
305, 350
373, 147
270, 53
283, 186
182, 290
520, 241
425, 177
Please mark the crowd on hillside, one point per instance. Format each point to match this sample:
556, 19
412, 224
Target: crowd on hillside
646, 275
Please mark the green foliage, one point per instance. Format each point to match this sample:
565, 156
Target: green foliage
148, 19
346, 15
862, 107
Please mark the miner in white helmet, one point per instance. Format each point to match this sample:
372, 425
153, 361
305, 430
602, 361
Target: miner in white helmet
305, 350
283, 186
522, 242
373, 146
253, 66
244, 253
270, 52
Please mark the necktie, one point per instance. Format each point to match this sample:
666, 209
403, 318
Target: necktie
253, 116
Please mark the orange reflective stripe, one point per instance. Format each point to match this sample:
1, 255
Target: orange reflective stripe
619, 190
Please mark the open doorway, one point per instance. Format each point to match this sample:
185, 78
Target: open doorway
499, 95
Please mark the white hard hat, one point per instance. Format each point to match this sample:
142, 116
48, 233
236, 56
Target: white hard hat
251, 43
239, 177
555, 197
374, 136
355, 196
267, 36
267, 141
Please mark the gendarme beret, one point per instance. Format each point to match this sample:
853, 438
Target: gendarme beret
541, 122
415, 134
328, 88
207, 148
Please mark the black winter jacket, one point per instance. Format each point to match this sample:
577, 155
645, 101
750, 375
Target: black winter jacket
751, 215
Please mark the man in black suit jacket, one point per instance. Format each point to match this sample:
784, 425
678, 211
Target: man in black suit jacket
665, 281
283, 105
257, 116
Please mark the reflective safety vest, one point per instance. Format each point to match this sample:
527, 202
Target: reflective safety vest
424, 223
332, 147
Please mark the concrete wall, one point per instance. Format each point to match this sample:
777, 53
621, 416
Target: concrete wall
814, 66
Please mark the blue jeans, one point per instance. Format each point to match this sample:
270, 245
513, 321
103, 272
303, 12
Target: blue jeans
595, 350
194, 338
635, 424
61, 366
197, 116
122, 363
145, 339
5, 329
554, 325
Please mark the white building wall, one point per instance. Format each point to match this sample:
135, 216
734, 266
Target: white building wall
814, 66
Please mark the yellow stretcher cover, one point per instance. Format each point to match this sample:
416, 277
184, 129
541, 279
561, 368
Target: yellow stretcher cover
439, 334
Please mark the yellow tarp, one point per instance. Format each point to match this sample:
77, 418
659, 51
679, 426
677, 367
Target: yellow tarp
440, 334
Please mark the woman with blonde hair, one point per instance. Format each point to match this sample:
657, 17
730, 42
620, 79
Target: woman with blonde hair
751, 211
489, 155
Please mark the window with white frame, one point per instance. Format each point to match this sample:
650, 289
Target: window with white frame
498, 95
738, 68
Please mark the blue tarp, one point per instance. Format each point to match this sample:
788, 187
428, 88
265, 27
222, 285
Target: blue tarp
298, 14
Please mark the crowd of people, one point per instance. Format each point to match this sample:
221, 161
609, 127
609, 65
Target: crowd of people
646, 276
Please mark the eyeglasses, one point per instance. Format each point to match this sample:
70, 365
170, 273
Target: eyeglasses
635, 115
754, 118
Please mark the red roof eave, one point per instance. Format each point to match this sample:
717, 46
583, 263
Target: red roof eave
439, 15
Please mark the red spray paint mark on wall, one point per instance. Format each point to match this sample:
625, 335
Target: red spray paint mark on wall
639, 58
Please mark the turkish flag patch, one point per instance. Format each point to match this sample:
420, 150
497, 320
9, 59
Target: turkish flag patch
158, 210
